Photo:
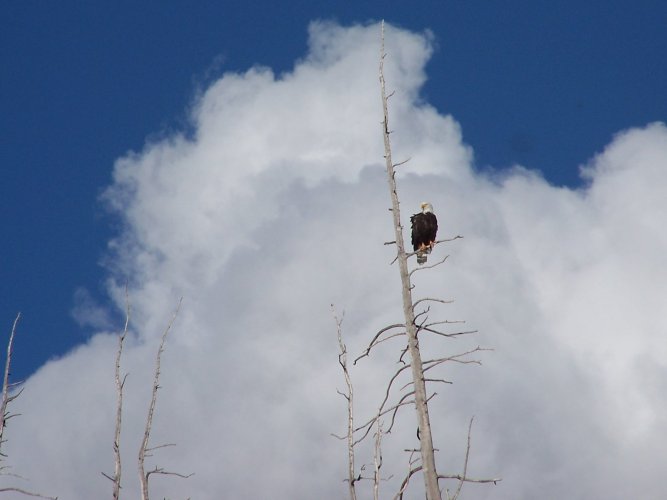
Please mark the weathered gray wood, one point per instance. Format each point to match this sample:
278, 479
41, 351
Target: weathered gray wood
426, 440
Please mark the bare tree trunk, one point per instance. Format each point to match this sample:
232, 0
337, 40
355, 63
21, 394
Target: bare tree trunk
377, 460
349, 397
120, 383
6, 397
425, 437
5, 415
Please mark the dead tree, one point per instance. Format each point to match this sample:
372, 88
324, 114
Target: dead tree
414, 367
120, 384
415, 322
8, 397
145, 450
426, 439
352, 477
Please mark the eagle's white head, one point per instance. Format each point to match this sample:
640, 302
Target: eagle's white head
426, 207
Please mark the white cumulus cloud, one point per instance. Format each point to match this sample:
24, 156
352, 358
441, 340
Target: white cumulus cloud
276, 207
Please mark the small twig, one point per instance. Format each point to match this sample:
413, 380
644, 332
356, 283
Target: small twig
403, 353
401, 162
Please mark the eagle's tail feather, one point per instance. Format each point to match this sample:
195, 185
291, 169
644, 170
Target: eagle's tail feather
422, 253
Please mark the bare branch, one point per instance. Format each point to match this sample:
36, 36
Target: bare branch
10, 474
159, 470
166, 445
408, 255
445, 322
457, 237
403, 353
375, 342
405, 482
451, 335
430, 299
27, 493
459, 477
401, 162
438, 380
401, 402
391, 382
424, 326
465, 462
424, 312
369, 425
456, 358
430, 380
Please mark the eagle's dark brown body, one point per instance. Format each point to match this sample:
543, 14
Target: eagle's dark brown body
424, 231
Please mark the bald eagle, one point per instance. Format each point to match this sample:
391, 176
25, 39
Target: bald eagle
424, 229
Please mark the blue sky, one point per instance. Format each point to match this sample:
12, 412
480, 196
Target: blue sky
236, 147
540, 83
